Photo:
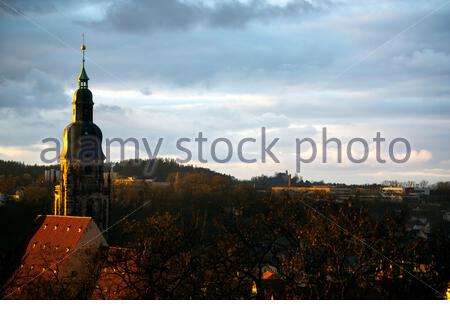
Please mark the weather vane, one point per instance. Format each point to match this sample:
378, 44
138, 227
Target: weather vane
83, 47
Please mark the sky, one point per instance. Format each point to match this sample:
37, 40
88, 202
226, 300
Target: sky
171, 68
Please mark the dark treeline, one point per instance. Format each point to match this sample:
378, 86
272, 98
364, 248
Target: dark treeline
284, 179
157, 169
442, 191
15, 168
209, 236
205, 238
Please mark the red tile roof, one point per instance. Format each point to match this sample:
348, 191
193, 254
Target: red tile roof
267, 275
46, 254
53, 242
55, 239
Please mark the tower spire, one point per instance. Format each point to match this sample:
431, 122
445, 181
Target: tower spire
82, 189
83, 78
83, 48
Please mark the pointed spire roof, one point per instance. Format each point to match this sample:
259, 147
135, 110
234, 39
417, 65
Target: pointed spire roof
83, 77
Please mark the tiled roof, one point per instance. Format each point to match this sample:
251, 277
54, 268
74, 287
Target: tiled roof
49, 250
54, 240
267, 275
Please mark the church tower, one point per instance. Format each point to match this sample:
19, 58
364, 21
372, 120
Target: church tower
84, 189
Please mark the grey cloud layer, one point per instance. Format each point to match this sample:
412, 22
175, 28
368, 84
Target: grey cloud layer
132, 15
229, 68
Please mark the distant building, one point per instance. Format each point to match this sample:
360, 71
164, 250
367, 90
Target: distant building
272, 286
422, 191
52, 175
367, 193
417, 192
393, 190
130, 181
342, 194
325, 189
394, 194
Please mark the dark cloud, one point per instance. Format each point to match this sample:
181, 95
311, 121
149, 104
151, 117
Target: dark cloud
109, 108
133, 15
37, 90
236, 14
159, 14
17, 7
146, 91
44, 7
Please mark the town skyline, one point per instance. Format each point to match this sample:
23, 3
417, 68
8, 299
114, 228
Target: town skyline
225, 150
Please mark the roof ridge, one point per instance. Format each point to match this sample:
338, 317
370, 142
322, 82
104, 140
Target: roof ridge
62, 216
